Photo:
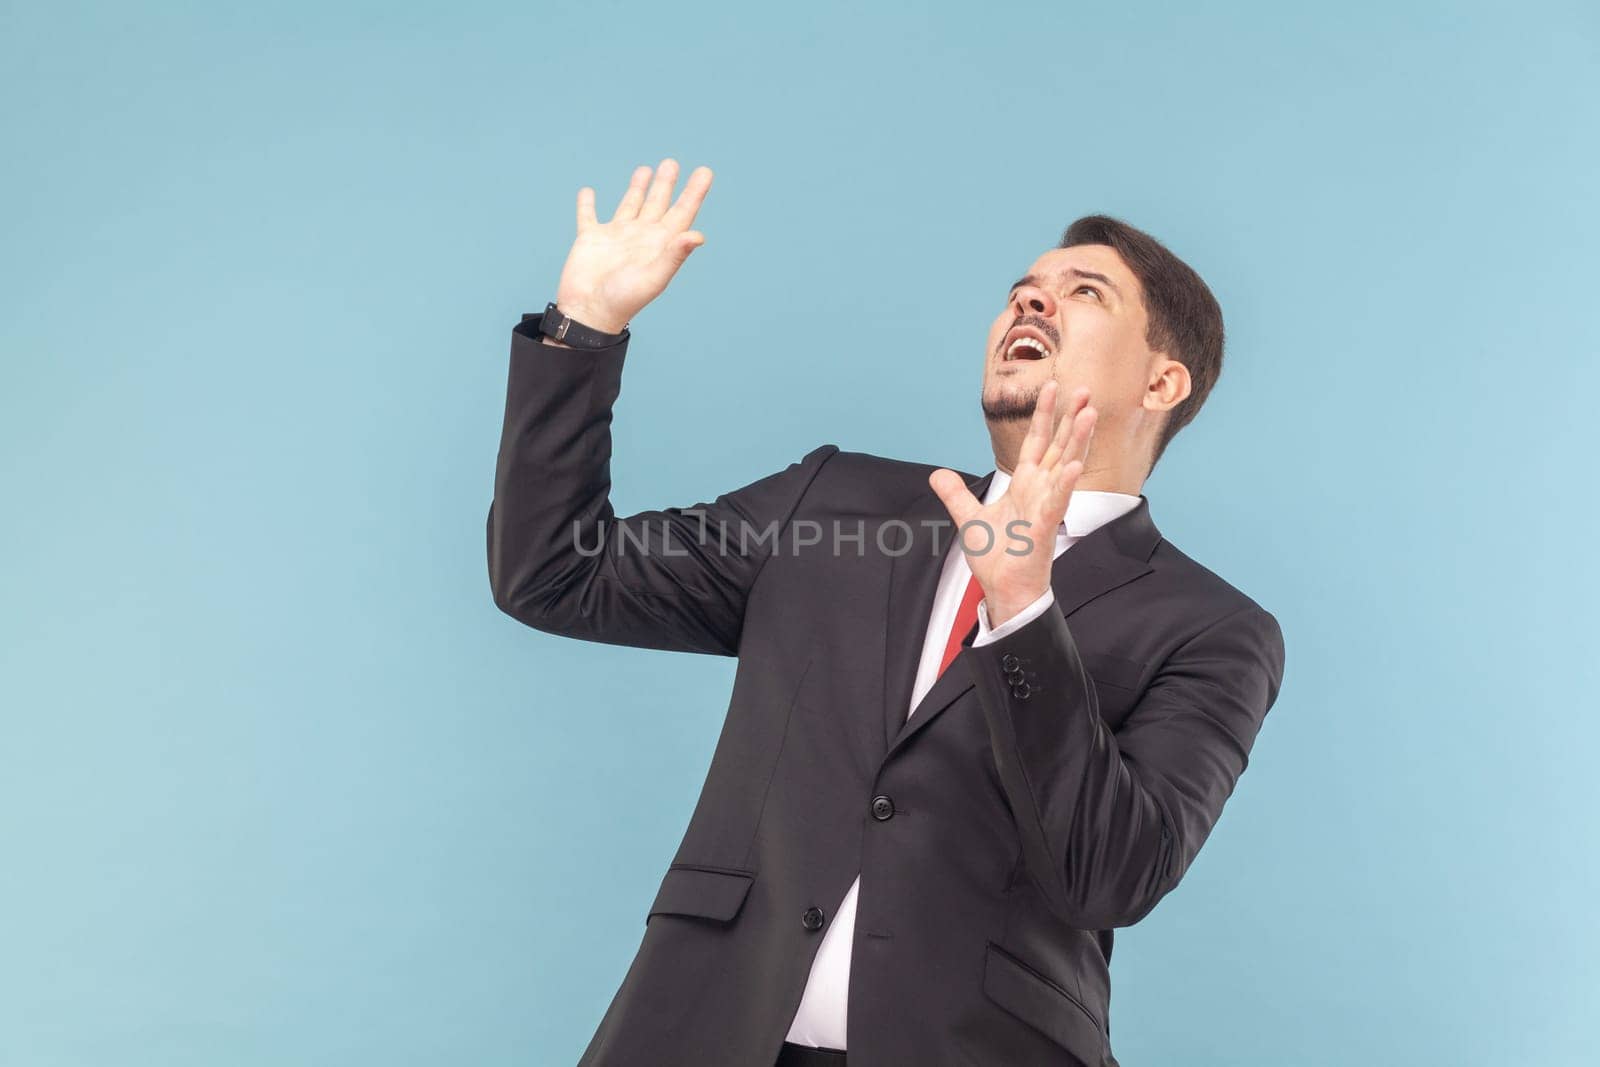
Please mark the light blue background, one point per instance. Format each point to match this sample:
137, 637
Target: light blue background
279, 785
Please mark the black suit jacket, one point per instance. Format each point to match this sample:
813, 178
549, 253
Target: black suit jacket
1051, 786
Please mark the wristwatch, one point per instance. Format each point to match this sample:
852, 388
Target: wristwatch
570, 331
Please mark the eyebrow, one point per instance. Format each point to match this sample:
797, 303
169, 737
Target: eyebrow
1031, 279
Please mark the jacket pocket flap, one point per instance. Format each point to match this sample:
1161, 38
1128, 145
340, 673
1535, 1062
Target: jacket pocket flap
1042, 1004
710, 893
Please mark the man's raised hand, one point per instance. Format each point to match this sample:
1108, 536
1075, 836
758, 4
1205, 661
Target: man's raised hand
1048, 466
617, 267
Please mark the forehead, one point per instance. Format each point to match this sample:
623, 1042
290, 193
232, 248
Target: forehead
1101, 259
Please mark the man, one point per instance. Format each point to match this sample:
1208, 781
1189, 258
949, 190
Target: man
945, 776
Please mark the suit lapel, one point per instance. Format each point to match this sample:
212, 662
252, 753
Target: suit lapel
1111, 555
913, 579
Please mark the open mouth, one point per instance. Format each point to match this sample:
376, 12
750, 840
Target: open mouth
1026, 344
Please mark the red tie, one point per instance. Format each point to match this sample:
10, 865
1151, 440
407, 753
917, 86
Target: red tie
966, 619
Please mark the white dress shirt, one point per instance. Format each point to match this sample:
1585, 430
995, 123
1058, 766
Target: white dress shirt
820, 1019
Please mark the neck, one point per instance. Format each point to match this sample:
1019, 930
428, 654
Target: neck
1111, 469
1098, 479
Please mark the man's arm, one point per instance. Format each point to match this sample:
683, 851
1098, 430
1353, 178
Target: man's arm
559, 558
1109, 822
561, 561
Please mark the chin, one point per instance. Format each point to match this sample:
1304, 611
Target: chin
1009, 403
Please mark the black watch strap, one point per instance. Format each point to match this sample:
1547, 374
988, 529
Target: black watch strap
570, 331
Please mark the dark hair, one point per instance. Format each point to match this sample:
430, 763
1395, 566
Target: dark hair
1185, 319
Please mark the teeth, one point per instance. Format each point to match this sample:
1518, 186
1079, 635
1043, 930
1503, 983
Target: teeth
1028, 342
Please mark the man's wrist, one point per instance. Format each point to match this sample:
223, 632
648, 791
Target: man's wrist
595, 318
988, 634
1001, 610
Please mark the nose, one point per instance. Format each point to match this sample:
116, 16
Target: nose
1030, 299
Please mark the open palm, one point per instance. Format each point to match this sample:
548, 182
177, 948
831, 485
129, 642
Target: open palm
1047, 470
617, 267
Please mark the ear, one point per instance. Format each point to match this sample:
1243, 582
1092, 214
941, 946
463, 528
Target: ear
1169, 385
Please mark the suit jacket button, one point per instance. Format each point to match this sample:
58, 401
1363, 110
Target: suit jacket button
1021, 691
812, 919
882, 808
1008, 662
1014, 677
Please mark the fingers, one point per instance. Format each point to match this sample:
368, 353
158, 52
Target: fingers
1064, 471
647, 197
954, 494
1033, 445
1088, 439
585, 209
1083, 425
1066, 479
633, 196
683, 212
1060, 441
656, 200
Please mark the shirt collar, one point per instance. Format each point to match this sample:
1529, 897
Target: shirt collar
1087, 509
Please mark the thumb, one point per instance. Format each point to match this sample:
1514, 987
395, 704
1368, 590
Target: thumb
686, 242
954, 494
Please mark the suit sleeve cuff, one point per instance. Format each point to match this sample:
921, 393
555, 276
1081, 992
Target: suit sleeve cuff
1013, 624
528, 329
